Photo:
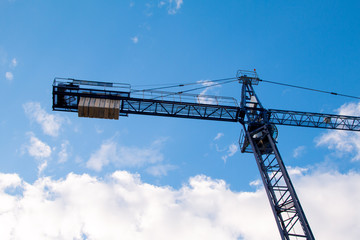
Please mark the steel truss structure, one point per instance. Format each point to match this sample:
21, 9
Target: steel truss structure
259, 134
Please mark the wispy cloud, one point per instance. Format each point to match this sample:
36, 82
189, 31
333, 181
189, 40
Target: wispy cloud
256, 183
63, 153
82, 206
218, 136
160, 170
9, 65
230, 149
299, 151
203, 98
161, 4
135, 39
50, 123
111, 152
233, 148
343, 142
174, 6
13, 63
40, 150
150, 9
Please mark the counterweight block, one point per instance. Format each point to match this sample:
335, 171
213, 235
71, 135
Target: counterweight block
98, 108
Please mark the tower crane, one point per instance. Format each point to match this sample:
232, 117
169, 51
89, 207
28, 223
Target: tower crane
110, 100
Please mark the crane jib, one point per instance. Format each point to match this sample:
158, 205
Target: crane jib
68, 98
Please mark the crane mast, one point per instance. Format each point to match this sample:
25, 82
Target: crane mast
110, 100
260, 135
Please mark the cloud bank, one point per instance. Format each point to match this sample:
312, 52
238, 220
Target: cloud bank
121, 205
343, 142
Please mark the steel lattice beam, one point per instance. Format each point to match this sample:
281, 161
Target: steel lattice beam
67, 97
180, 110
289, 215
286, 207
315, 120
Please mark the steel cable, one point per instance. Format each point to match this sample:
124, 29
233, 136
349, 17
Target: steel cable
310, 89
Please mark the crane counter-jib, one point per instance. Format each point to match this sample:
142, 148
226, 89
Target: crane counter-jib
102, 101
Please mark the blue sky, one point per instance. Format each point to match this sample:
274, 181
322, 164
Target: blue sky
60, 175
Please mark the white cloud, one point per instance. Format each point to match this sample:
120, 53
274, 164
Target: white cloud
63, 154
111, 152
160, 170
38, 149
256, 183
135, 39
233, 148
343, 142
84, 207
9, 76
299, 151
332, 203
218, 136
50, 123
122, 205
9, 181
296, 170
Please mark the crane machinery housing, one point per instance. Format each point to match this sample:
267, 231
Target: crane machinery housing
110, 100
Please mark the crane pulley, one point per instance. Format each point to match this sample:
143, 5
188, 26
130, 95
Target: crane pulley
111, 100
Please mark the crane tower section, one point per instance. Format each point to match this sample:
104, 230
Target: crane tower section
260, 139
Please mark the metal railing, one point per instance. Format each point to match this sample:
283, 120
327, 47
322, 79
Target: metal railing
184, 98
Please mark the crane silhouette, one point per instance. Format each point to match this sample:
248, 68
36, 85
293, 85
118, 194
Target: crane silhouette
110, 100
